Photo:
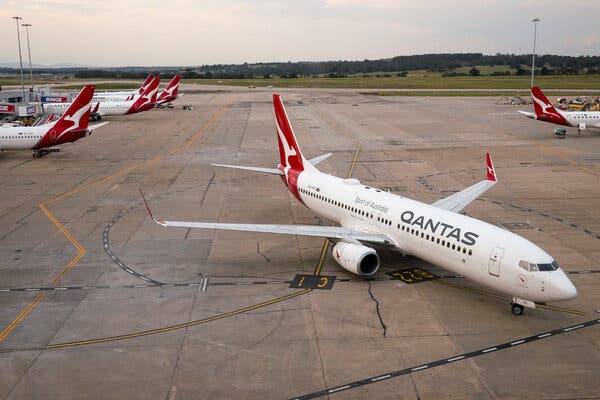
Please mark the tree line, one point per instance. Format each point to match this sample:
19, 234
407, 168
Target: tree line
447, 64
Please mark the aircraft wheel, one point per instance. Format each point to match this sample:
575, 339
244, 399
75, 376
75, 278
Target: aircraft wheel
517, 309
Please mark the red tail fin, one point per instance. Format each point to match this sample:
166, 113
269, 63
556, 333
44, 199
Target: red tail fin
289, 152
145, 84
73, 123
147, 99
170, 92
544, 110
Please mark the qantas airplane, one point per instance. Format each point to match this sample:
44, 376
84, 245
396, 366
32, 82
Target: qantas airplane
71, 126
143, 102
436, 232
545, 111
123, 95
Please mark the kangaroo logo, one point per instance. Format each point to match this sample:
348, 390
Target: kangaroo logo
545, 107
75, 120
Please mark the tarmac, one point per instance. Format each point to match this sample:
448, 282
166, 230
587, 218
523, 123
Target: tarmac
99, 302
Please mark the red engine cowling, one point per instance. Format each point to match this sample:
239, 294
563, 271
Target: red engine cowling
356, 258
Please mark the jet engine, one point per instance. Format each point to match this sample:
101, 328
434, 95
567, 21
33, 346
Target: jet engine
581, 126
356, 258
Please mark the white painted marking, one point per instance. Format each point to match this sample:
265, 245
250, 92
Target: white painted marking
4, 290
86, 287
204, 284
144, 278
139, 286
276, 282
544, 335
60, 288
339, 388
168, 285
490, 349
381, 377
573, 327
128, 270
31, 290
517, 342
456, 358
244, 283
420, 368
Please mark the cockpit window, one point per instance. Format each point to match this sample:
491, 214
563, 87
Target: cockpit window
553, 266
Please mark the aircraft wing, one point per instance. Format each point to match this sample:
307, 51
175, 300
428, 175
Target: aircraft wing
458, 201
528, 114
335, 232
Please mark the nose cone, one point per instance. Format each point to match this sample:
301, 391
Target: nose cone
562, 288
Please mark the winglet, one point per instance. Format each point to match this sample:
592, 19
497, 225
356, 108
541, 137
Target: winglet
491, 172
158, 221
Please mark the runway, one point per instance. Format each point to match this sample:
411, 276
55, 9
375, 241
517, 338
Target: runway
97, 301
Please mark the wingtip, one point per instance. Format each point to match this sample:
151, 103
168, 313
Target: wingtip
158, 221
491, 172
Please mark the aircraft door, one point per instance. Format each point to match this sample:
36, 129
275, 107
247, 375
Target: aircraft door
495, 261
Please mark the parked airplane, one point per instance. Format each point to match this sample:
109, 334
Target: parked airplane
545, 111
170, 92
71, 126
123, 95
436, 232
143, 102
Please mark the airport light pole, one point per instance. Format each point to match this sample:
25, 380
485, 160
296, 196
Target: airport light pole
29, 52
535, 21
20, 57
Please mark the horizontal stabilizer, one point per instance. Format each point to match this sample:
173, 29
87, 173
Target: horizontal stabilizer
96, 126
273, 171
528, 114
316, 160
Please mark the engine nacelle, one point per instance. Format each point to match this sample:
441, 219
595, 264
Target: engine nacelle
356, 258
581, 126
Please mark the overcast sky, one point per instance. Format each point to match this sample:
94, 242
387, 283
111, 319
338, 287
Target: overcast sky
193, 32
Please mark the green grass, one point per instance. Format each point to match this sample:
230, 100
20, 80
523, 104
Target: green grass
426, 81
103, 86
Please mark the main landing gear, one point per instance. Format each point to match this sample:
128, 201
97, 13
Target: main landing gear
42, 152
517, 309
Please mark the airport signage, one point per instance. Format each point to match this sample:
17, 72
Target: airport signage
7, 108
54, 99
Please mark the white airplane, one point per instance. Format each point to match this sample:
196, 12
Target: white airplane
143, 102
545, 111
123, 95
73, 125
436, 232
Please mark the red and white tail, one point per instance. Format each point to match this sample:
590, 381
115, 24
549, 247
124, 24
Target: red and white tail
77, 115
73, 123
145, 84
289, 152
544, 110
170, 92
147, 100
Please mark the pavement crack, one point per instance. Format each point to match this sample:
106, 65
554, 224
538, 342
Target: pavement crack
261, 253
210, 181
377, 309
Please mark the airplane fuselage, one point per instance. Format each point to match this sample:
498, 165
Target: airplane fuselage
475, 249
